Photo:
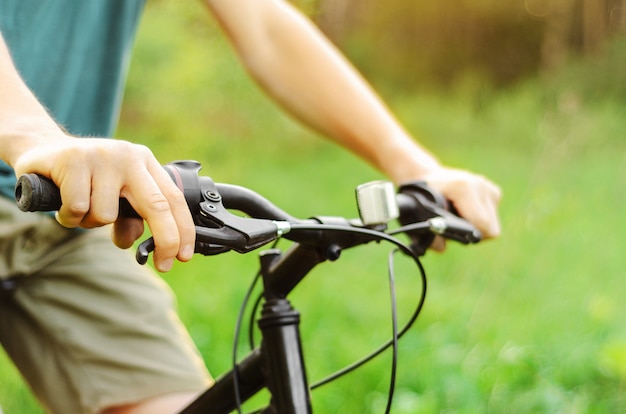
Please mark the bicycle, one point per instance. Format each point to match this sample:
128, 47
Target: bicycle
277, 364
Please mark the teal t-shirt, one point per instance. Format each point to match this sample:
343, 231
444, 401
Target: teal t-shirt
74, 55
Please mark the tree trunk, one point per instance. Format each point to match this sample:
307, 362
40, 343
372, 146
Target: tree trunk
559, 24
617, 17
595, 24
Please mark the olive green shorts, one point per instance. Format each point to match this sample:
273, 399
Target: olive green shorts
88, 327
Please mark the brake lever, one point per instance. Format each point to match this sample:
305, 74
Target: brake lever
205, 245
217, 225
452, 227
213, 241
441, 216
217, 229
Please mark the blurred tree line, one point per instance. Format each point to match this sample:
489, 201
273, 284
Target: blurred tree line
420, 42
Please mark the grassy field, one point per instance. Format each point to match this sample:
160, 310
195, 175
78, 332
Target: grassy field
530, 323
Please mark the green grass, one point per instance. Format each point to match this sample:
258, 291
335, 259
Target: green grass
529, 323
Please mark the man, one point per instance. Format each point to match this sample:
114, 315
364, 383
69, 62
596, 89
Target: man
94, 332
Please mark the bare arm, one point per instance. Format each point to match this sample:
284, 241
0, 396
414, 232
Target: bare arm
303, 71
92, 173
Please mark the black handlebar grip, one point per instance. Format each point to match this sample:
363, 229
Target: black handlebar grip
36, 193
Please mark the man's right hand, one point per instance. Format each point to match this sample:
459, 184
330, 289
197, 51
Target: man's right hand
93, 173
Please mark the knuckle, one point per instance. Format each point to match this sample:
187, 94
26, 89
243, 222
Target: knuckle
497, 192
105, 217
77, 209
176, 198
158, 203
166, 245
139, 149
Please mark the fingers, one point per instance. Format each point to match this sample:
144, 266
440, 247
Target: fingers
126, 230
94, 173
491, 203
477, 201
180, 212
104, 200
155, 197
475, 198
76, 196
480, 207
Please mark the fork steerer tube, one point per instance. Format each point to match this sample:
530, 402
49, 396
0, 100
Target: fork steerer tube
282, 272
282, 356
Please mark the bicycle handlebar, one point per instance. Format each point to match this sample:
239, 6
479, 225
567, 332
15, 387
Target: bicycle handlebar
218, 230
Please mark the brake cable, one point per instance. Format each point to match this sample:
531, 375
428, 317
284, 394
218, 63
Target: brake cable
396, 334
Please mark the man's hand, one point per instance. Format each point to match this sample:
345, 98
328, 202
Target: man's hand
475, 198
93, 173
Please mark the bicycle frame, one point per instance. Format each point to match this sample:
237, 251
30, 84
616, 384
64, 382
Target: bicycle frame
278, 363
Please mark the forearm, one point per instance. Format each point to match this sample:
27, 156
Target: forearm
92, 174
304, 72
23, 120
295, 63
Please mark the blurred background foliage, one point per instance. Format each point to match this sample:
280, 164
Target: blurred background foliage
531, 93
418, 43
